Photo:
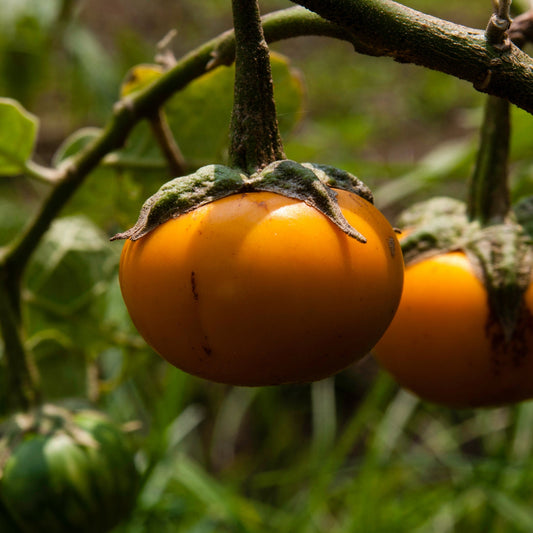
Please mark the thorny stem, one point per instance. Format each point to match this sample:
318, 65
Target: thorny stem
489, 200
255, 139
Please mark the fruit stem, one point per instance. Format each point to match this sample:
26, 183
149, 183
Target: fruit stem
489, 199
255, 140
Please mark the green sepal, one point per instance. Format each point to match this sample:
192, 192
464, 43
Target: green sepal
435, 226
340, 179
501, 254
307, 182
44, 420
182, 195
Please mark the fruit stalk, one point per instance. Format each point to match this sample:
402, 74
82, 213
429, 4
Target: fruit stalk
488, 196
255, 140
489, 199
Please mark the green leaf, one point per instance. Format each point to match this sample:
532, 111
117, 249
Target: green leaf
139, 77
13, 216
62, 367
18, 130
70, 267
515, 512
75, 143
110, 197
216, 497
200, 114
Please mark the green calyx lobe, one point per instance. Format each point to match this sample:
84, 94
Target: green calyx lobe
500, 253
46, 420
308, 182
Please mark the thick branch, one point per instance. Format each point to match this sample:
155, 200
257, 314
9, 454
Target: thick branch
386, 28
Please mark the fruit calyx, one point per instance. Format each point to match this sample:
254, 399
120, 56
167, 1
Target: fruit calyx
46, 420
308, 182
500, 254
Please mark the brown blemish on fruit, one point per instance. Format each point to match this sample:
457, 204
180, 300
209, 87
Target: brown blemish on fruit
193, 286
392, 246
206, 348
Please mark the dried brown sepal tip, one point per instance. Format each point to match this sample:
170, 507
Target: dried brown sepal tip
307, 182
501, 254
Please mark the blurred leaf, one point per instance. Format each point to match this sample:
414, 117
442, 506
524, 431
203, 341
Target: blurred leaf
75, 143
438, 165
219, 500
110, 196
62, 368
13, 10
71, 266
91, 57
18, 130
140, 153
324, 415
13, 215
515, 512
139, 77
199, 115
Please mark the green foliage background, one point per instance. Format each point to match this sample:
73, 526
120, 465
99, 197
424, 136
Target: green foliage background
349, 454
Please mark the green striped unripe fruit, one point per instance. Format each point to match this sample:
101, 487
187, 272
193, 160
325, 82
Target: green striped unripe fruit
67, 471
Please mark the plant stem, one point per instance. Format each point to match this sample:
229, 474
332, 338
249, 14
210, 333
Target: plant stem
386, 28
255, 139
22, 375
499, 24
167, 143
488, 199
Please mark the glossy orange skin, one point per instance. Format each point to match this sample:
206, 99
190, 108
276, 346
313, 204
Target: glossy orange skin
260, 289
443, 346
